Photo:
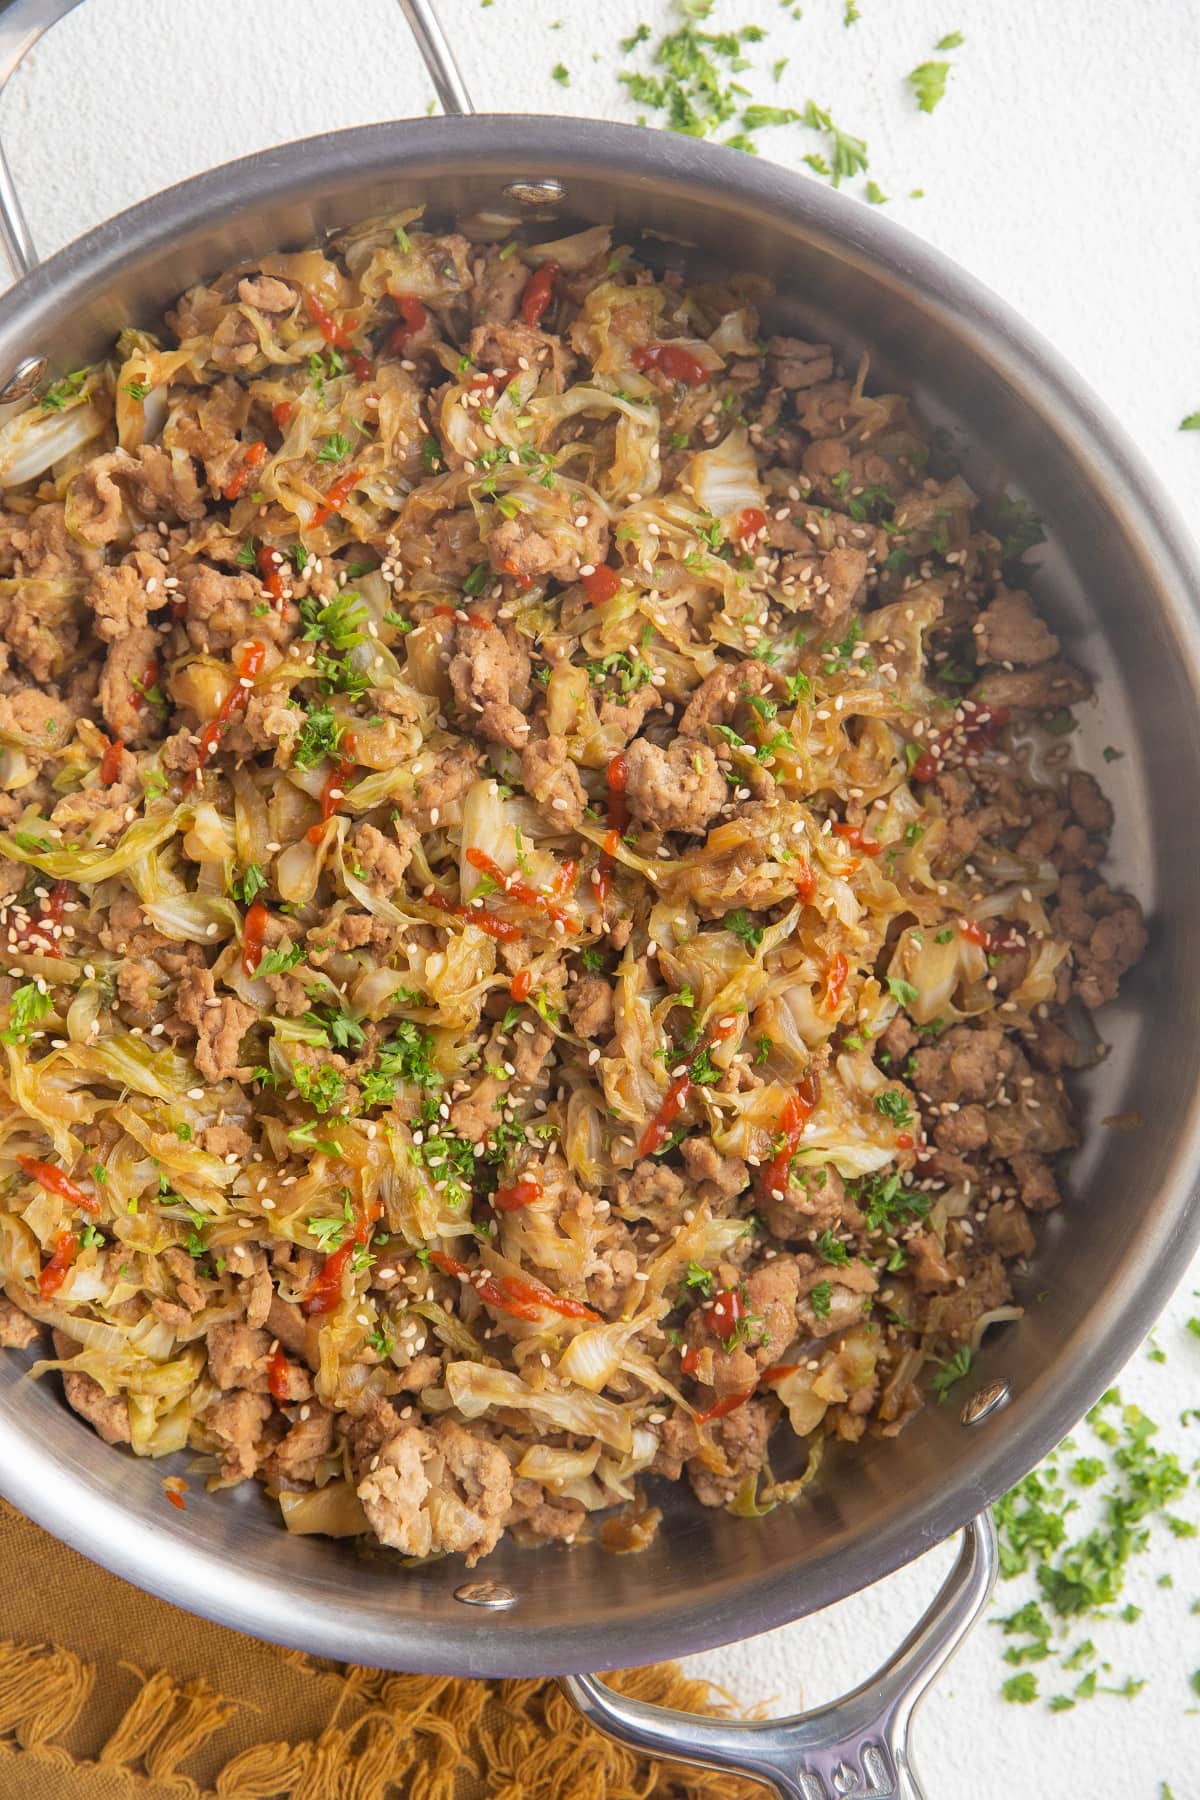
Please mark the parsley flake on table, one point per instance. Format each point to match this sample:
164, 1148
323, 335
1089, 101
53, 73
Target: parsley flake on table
928, 82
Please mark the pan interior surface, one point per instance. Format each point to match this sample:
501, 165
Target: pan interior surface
1117, 580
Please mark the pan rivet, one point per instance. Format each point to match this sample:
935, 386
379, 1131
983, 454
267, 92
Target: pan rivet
985, 1401
25, 377
536, 193
485, 1593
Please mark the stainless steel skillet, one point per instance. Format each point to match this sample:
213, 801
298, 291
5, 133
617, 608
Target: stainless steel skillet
1119, 580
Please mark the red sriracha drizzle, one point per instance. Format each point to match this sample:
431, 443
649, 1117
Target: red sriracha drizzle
502, 929
852, 835
806, 883
149, 676
337, 496
726, 1404
676, 1098
517, 1194
254, 458
512, 1294
55, 1272
325, 1294
282, 412
601, 584
539, 291
277, 1376
270, 570
110, 762
798, 1110
835, 981
671, 360
337, 335
253, 932
618, 822
522, 892
943, 749
750, 521
249, 663
520, 985
413, 318
333, 791
56, 1182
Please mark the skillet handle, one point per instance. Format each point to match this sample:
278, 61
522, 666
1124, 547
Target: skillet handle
855, 1748
23, 22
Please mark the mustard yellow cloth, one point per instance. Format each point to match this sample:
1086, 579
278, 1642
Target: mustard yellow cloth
107, 1694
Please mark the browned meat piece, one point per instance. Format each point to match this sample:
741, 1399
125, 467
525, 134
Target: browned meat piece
437, 1489
236, 1421
551, 778
651, 1187
382, 859
297, 1456
530, 1050
928, 1263
679, 1439
498, 292
590, 1004
679, 789
897, 1042
108, 1415
1038, 1118
1044, 689
966, 1063
1088, 803
840, 583
740, 1439
286, 1322
542, 1517
720, 694
40, 721
850, 1287
515, 549
793, 364
220, 1024
183, 1268
814, 1201
38, 545
237, 1356
162, 485
1008, 1230
1106, 933
769, 1296
1035, 1181
495, 346
39, 622
266, 293
128, 713
825, 464
1009, 631
476, 1114
228, 1140
97, 505
440, 779
421, 1373
1051, 1047
221, 610
489, 673
716, 1178
17, 1329
955, 1314
628, 716
119, 600
962, 1131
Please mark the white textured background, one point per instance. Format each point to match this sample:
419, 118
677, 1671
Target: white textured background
1063, 167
